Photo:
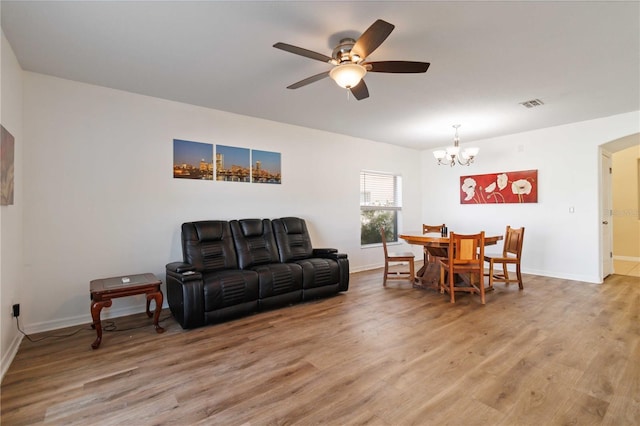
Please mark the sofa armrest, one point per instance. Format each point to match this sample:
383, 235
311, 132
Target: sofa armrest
343, 264
328, 253
185, 295
180, 267
319, 251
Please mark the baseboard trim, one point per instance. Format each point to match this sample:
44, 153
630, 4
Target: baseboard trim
627, 258
365, 268
84, 319
571, 277
11, 353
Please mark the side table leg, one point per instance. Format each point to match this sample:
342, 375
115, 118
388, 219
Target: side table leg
157, 296
96, 307
149, 314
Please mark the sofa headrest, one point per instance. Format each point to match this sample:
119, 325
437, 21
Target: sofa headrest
252, 227
209, 230
293, 225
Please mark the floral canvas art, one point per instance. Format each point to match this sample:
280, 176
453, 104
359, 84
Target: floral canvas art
499, 188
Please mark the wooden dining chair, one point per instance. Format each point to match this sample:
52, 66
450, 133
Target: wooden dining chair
466, 256
408, 257
511, 253
431, 228
425, 230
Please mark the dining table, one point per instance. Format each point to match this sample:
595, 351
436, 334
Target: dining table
437, 245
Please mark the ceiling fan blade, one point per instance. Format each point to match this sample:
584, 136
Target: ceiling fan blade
302, 52
372, 38
397, 66
309, 80
360, 91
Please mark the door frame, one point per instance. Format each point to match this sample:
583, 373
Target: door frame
605, 218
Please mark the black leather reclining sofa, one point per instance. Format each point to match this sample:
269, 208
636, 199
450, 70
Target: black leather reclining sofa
233, 268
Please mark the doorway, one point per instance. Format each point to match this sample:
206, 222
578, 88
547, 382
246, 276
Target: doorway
622, 186
606, 210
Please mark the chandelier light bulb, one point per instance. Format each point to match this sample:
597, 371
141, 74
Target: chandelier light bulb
439, 154
471, 151
453, 151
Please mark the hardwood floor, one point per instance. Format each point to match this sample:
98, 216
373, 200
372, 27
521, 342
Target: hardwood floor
560, 352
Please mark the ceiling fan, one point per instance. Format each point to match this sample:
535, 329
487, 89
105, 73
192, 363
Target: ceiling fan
348, 60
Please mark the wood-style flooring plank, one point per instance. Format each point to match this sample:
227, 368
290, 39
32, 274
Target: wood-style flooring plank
558, 352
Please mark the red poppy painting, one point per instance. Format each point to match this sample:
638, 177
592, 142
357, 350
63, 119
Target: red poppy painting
499, 188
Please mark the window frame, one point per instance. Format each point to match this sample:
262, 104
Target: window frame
371, 237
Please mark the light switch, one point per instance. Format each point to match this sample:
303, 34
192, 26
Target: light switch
572, 209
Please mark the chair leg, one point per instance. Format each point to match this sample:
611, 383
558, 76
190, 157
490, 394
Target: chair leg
452, 293
481, 287
491, 273
519, 274
505, 272
441, 279
386, 272
412, 272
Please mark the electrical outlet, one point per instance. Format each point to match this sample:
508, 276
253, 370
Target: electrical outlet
16, 310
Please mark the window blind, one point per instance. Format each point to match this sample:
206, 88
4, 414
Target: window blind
380, 191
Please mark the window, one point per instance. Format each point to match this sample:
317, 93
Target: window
380, 204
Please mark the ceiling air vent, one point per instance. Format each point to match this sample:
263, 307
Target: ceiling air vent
532, 103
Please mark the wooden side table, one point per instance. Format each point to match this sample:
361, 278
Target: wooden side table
105, 289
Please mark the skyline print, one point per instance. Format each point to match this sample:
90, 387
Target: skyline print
202, 161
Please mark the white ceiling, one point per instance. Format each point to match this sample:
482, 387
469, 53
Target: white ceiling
582, 59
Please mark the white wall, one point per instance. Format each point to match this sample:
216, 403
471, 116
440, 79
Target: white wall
100, 198
11, 241
557, 243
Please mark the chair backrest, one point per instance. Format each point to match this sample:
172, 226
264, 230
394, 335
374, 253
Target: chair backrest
384, 242
513, 242
254, 242
466, 250
431, 228
208, 245
292, 237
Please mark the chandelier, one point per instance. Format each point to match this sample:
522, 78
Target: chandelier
453, 154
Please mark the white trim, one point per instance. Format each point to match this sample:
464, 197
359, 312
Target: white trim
627, 258
85, 319
10, 354
552, 274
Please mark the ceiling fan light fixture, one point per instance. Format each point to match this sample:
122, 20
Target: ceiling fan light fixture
347, 75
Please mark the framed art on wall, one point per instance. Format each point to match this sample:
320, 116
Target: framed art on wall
6, 167
265, 167
499, 188
233, 164
192, 160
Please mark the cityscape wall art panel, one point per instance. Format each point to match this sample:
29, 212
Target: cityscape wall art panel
265, 167
233, 164
192, 160
500, 188
6, 167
